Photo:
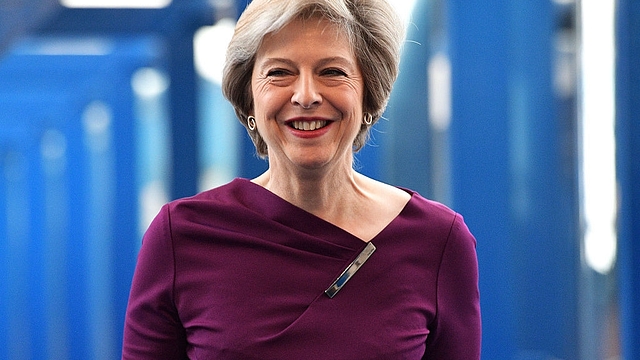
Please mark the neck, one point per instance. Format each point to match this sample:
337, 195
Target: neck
313, 191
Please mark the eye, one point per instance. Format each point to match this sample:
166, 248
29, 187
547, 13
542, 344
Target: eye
277, 72
333, 72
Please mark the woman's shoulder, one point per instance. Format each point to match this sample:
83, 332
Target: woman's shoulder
199, 208
430, 207
226, 207
409, 199
226, 194
431, 215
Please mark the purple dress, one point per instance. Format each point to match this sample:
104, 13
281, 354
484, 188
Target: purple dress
238, 273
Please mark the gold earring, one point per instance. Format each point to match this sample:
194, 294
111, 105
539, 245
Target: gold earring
251, 123
368, 119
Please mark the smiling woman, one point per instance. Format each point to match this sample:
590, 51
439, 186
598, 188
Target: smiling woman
311, 259
379, 43
308, 97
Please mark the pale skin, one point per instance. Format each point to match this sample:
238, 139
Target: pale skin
306, 76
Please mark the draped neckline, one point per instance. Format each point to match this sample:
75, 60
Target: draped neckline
280, 210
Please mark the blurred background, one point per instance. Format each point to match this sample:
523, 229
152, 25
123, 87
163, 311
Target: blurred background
524, 116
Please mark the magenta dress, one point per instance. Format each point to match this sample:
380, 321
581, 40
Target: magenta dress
237, 273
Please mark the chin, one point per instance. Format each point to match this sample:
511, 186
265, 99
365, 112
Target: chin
312, 165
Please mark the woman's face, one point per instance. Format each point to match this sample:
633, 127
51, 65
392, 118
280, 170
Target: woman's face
308, 95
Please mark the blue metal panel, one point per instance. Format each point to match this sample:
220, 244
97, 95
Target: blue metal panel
19, 214
74, 251
183, 96
480, 160
508, 177
628, 164
177, 23
32, 243
220, 136
184, 124
17, 17
405, 134
543, 199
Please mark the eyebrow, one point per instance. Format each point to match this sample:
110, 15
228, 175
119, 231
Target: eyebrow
334, 59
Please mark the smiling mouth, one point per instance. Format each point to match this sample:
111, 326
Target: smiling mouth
308, 125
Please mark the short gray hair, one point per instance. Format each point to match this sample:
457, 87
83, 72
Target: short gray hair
373, 28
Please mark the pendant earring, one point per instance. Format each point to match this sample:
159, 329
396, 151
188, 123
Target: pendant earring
251, 123
368, 119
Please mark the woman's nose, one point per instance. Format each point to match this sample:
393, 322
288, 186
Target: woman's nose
306, 93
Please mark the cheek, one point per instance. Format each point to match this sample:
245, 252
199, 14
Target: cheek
259, 89
352, 96
256, 96
266, 99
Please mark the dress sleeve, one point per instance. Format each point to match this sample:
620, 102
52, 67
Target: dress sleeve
456, 334
152, 328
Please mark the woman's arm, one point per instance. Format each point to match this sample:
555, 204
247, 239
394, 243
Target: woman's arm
457, 331
152, 327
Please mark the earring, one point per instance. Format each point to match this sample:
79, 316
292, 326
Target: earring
251, 123
368, 119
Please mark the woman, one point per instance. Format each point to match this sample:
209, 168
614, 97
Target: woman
310, 260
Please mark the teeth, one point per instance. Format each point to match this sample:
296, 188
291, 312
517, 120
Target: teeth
309, 125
